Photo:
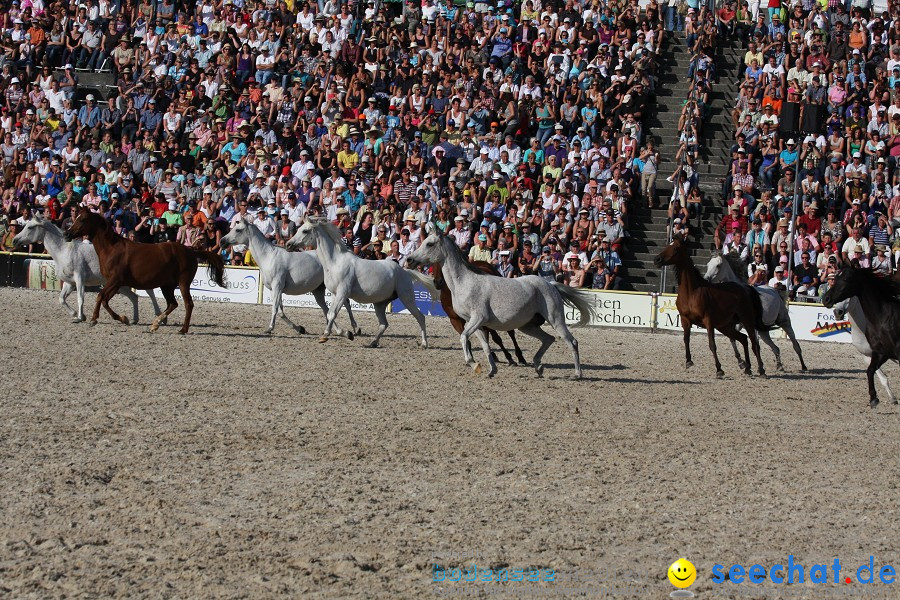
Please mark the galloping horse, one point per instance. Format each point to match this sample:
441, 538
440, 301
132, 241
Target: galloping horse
284, 272
725, 267
76, 265
880, 301
458, 323
851, 309
502, 304
349, 276
143, 267
714, 306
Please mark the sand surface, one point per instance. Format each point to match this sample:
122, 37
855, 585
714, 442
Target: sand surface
229, 463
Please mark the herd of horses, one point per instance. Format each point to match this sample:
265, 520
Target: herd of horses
477, 301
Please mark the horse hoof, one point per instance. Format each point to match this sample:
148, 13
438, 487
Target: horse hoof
689, 364
154, 327
374, 344
477, 368
124, 320
94, 322
873, 402
779, 368
323, 339
803, 369
720, 374
301, 330
350, 335
762, 375
539, 370
182, 331
269, 330
357, 332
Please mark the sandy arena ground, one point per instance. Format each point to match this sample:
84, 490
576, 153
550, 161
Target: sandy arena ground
233, 464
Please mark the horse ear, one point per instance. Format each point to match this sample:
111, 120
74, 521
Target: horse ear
38, 217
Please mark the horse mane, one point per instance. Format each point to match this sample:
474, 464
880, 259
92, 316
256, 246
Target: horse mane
886, 287
462, 257
736, 264
331, 230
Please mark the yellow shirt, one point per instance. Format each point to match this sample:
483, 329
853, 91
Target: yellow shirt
348, 160
484, 253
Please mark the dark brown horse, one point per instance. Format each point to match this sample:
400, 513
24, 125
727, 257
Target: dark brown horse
714, 306
458, 323
143, 267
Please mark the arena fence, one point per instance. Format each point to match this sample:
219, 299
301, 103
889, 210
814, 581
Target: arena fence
636, 310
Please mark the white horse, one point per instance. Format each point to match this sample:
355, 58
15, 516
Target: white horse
284, 272
775, 311
348, 276
76, 264
502, 304
852, 309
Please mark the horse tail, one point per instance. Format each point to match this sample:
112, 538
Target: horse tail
215, 265
577, 300
427, 281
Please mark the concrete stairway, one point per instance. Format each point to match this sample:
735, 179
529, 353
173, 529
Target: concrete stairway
648, 228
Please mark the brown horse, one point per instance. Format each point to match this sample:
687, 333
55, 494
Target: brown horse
714, 306
457, 321
143, 267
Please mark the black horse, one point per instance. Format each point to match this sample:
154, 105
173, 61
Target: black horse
880, 301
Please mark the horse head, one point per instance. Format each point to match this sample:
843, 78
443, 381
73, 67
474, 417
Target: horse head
671, 253
846, 284
32, 232
841, 309
305, 236
87, 224
430, 252
238, 234
713, 267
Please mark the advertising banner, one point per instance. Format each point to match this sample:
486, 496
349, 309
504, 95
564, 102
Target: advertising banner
309, 301
816, 323
243, 287
40, 274
425, 304
667, 316
617, 309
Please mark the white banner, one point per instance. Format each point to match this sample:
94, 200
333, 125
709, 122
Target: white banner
667, 316
617, 309
309, 301
243, 287
814, 322
40, 274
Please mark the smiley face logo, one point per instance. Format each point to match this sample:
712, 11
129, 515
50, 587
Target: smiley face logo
682, 573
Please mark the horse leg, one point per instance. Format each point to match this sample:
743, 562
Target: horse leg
277, 288
789, 330
767, 340
496, 337
711, 333
319, 295
169, 294
380, 309
485, 345
338, 300
79, 296
737, 354
887, 388
155, 304
558, 322
408, 297
469, 328
874, 365
519, 355
546, 341
132, 297
63, 294
686, 326
298, 328
185, 286
754, 343
354, 329
111, 289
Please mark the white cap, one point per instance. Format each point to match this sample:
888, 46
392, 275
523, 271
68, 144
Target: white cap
89, 97
172, 205
14, 80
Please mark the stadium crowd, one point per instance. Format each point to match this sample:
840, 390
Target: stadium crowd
813, 183
517, 128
